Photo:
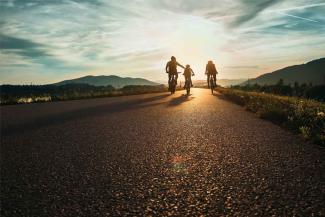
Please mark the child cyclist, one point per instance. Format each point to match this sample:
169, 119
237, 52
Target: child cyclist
188, 73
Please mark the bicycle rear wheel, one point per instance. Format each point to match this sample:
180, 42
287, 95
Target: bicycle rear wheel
188, 90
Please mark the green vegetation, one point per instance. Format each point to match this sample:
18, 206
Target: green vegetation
14, 94
304, 90
306, 117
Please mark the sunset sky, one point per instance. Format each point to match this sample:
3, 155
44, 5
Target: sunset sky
45, 41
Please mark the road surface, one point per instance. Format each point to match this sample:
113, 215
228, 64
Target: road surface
157, 155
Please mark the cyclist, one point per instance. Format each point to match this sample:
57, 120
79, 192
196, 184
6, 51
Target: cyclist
211, 70
188, 73
171, 69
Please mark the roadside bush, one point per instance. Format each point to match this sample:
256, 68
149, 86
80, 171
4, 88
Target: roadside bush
308, 91
20, 94
306, 117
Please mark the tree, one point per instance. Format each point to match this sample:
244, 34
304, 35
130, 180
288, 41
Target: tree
280, 82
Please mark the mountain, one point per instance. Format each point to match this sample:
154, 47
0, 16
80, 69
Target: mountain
221, 82
229, 82
311, 72
113, 80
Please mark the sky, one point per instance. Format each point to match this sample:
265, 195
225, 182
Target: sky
46, 41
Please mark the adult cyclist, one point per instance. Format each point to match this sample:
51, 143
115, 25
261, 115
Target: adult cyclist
171, 69
211, 70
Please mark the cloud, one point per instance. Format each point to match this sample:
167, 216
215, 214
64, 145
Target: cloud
22, 47
242, 67
32, 3
301, 7
243, 11
297, 17
251, 9
23, 52
136, 37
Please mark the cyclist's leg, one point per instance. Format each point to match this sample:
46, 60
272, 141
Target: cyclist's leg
185, 83
188, 80
169, 79
215, 79
208, 79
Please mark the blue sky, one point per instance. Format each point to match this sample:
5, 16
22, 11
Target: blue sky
45, 41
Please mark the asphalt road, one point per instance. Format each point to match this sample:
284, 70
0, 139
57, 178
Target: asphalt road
154, 154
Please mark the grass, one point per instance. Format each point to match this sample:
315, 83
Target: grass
303, 116
38, 94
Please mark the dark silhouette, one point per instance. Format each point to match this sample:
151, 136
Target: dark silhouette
316, 92
312, 71
180, 100
13, 94
103, 80
172, 84
212, 84
188, 73
211, 70
171, 69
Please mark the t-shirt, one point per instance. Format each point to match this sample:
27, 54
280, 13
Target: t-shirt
188, 72
172, 66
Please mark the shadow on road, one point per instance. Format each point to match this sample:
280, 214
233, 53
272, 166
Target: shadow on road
181, 99
220, 96
225, 98
104, 109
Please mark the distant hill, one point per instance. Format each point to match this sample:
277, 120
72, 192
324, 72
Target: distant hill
221, 82
311, 72
229, 82
113, 80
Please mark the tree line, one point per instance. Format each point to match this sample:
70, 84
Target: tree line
309, 91
12, 94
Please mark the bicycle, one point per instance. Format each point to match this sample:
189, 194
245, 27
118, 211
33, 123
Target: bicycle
172, 84
188, 86
212, 84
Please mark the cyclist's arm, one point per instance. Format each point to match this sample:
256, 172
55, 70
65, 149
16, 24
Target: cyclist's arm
206, 70
192, 72
180, 65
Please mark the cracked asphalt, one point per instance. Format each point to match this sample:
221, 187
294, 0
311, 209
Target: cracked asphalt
155, 155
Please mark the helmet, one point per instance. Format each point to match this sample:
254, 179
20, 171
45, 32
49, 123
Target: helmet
173, 58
